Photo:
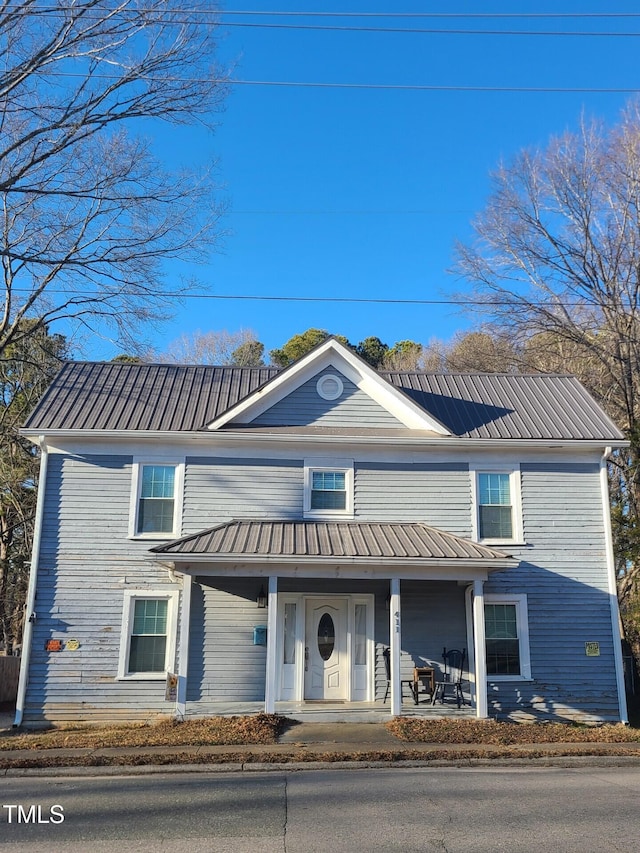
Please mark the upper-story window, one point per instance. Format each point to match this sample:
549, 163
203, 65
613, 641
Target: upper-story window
495, 509
498, 515
156, 499
328, 489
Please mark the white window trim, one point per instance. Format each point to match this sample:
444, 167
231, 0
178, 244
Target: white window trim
516, 503
136, 487
130, 597
342, 466
522, 621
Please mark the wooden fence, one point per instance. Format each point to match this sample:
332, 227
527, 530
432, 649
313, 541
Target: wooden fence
9, 671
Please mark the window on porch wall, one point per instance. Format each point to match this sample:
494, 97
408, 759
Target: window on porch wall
289, 641
360, 651
502, 641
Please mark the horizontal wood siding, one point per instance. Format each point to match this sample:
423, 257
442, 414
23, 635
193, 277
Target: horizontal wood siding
305, 407
438, 494
224, 663
86, 564
563, 573
218, 490
432, 616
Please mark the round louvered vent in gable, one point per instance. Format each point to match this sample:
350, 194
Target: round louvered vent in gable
329, 386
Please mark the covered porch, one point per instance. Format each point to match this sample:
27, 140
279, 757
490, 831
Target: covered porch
328, 620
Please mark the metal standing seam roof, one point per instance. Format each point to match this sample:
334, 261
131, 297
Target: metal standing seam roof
176, 398
327, 539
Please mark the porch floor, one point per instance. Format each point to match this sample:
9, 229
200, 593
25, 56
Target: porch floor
330, 712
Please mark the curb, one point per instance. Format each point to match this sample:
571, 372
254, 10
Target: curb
567, 761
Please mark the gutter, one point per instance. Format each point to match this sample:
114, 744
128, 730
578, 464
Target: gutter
220, 438
31, 591
613, 589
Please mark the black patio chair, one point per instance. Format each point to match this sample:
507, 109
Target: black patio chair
451, 677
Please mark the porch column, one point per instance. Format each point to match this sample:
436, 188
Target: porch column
479, 648
183, 657
395, 643
272, 622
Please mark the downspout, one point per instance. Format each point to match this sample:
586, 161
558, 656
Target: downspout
613, 589
31, 590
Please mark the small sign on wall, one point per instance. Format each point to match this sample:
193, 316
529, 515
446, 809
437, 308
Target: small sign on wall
592, 650
171, 690
53, 645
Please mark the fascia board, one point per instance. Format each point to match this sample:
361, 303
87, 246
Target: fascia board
331, 354
182, 562
229, 437
432, 571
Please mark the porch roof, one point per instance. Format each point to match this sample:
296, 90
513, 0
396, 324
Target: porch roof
317, 540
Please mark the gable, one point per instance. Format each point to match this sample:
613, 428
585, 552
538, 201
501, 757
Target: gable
338, 359
306, 406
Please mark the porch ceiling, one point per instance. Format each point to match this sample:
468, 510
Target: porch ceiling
319, 541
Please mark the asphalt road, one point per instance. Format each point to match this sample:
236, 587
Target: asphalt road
397, 809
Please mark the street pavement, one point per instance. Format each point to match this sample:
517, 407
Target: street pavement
487, 809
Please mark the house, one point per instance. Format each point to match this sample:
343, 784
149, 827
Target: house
235, 540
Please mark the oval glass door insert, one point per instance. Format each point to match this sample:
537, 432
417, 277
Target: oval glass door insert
326, 636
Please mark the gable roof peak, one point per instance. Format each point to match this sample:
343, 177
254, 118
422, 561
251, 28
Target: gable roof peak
332, 352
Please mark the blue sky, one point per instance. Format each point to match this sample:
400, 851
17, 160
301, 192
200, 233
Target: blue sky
362, 193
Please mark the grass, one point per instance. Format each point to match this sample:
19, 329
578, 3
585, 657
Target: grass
490, 732
265, 728
456, 740
224, 731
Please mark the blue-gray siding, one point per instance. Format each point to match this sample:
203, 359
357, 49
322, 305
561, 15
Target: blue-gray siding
87, 562
563, 573
305, 407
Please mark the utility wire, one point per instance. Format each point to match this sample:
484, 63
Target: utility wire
335, 299
419, 87
216, 16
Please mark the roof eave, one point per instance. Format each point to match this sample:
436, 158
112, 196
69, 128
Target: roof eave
489, 564
36, 435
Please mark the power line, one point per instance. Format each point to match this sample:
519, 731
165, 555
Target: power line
216, 17
418, 87
333, 299
347, 14
437, 88
430, 30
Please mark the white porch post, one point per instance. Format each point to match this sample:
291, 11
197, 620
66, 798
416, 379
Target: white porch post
271, 672
395, 644
183, 657
479, 648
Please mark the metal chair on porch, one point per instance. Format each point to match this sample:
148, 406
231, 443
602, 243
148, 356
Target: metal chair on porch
451, 677
386, 654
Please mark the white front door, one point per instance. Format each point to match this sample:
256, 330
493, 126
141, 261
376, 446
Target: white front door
326, 665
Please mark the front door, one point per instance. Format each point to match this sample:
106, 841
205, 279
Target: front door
326, 664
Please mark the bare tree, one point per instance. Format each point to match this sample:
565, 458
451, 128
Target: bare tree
557, 264
215, 347
87, 213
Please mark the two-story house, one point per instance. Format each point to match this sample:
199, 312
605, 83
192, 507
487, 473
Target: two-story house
234, 540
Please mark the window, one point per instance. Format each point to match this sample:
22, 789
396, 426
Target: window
156, 498
328, 490
498, 513
148, 634
507, 637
